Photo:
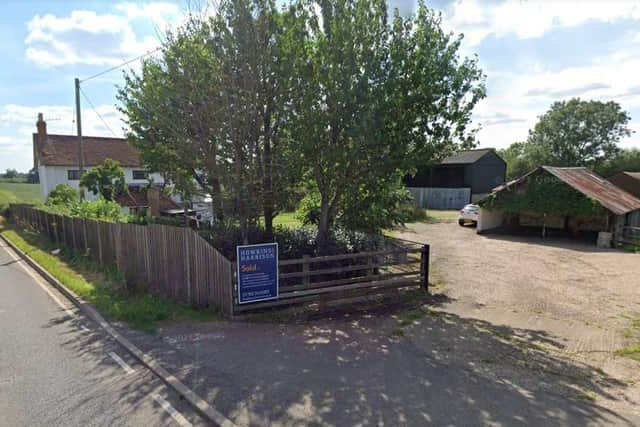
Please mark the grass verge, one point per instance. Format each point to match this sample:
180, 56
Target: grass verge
106, 290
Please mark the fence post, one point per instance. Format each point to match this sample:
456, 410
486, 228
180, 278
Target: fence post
187, 262
305, 269
98, 226
424, 266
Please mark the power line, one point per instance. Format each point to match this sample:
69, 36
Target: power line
122, 64
98, 114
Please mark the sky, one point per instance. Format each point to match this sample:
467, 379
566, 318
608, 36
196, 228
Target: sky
533, 53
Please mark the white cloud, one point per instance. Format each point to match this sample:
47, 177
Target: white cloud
515, 100
528, 19
18, 123
86, 37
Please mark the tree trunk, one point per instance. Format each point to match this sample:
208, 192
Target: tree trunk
324, 224
267, 190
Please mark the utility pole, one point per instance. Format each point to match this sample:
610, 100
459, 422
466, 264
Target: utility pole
79, 122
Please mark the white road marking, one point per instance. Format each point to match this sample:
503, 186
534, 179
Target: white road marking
39, 281
124, 365
177, 416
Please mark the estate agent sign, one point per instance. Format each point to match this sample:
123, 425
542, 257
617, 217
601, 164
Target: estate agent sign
257, 272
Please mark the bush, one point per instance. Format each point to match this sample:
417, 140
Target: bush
292, 243
370, 210
62, 195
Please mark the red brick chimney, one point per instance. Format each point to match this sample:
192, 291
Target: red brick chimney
39, 138
41, 125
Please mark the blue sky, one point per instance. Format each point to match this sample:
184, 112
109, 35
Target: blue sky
533, 52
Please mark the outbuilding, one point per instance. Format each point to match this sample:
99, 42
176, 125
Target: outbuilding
628, 181
575, 200
462, 178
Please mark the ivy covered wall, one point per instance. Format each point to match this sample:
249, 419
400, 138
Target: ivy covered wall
543, 193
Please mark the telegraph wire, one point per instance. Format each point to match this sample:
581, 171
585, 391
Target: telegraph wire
115, 67
98, 114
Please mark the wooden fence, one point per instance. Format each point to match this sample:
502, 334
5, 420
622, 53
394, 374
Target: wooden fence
170, 261
349, 276
177, 263
630, 235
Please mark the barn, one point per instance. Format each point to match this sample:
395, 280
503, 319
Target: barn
462, 178
628, 181
572, 200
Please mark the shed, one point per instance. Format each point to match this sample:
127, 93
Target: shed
628, 181
464, 177
571, 199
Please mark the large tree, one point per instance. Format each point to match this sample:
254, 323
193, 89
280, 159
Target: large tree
577, 133
211, 108
373, 100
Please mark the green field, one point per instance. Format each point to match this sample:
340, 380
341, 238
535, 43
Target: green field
19, 193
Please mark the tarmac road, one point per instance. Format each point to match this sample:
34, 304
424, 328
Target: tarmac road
59, 368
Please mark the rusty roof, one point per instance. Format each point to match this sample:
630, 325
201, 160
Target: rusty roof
62, 150
591, 185
596, 187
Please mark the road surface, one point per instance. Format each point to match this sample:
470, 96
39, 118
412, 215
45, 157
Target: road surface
57, 367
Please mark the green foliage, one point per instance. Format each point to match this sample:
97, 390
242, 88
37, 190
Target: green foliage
543, 194
369, 210
101, 209
106, 179
105, 289
574, 133
63, 195
519, 160
363, 107
11, 174
325, 95
18, 193
627, 160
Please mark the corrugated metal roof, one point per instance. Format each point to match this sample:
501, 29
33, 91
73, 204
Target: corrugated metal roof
635, 175
466, 157
591, 185
594, 186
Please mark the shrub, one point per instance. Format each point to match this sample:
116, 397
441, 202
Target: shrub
62, 195
100, 209
292, 242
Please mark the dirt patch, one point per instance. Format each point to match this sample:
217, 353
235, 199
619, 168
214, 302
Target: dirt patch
581, 296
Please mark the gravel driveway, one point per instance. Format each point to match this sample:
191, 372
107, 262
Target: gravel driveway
582, 298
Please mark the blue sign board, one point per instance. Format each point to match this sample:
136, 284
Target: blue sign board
257, 272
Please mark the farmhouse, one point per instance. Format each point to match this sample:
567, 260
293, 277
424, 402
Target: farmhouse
462, 178
56, 157
575, 200
628, 181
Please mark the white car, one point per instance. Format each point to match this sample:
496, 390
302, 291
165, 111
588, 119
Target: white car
469, 214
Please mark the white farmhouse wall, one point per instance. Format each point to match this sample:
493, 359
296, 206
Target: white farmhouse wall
50, 176
488, 220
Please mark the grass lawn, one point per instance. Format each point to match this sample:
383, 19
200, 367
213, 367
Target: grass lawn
440, 216
287, 219
19, 193
104, 289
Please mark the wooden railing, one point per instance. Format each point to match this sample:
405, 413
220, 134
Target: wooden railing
349, 276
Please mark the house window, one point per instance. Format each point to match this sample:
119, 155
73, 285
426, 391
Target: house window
140, 174
73, 175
